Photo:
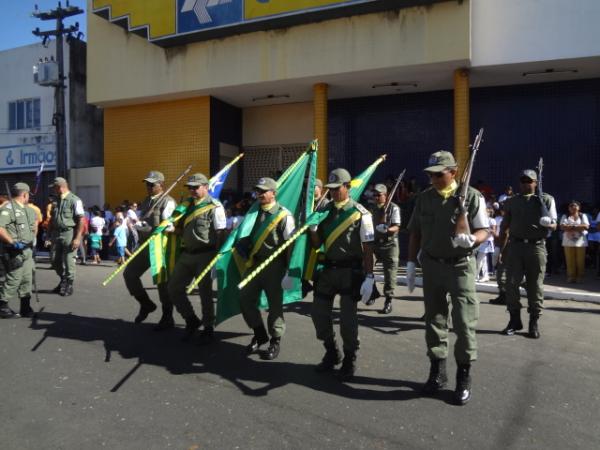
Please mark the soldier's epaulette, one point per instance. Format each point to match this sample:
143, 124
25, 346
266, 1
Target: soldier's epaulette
364, 211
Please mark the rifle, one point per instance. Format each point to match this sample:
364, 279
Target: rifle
462, 223
165, 193
388, 201
540, 192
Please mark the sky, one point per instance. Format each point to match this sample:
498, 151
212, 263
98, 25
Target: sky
16, 22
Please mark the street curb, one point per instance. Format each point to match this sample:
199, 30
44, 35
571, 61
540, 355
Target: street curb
550, 292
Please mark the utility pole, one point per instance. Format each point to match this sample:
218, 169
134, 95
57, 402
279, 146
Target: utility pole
58, 119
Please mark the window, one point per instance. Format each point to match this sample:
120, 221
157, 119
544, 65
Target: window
24, 114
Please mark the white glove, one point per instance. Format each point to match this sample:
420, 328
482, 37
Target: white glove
546, 221
287, 282
313, 228
170, 228
463, 240
366, 289
213, 273
141, 224
382, 228
411, 275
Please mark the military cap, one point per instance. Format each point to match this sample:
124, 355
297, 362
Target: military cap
266, 184
58, 181
440, 161
319, 183
154, 176
21, 187
528, 173
198, 179
338, 177
381, 188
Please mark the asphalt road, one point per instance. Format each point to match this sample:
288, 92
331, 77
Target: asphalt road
82, 375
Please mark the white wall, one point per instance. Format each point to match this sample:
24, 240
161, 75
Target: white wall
16, 79
515, 31
88, 184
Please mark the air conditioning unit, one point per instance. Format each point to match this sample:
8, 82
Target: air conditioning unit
45, 73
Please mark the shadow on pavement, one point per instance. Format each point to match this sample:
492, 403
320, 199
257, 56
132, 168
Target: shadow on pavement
225, 359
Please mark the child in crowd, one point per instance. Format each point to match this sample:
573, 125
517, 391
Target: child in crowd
120, 237
95, 243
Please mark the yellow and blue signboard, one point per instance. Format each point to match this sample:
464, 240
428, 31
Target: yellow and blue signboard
173, 22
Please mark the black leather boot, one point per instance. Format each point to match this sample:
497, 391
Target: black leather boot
207, 336
59, 287
437, 377
146, 307
387, 306
331, 358
346, 372
166, 321
260, 337
5, 311
26, 310
273, 350
534, 332
514, 324
191, 326
462, 393
68, 289
500, 300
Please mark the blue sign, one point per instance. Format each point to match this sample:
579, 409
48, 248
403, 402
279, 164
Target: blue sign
27, 158
195, 15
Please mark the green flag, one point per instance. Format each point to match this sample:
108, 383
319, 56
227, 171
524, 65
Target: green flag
231, 266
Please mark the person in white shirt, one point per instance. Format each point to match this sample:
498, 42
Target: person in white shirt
97, 222
575, 227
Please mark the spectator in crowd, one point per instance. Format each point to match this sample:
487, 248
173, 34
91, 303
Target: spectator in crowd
508, 193
108, 215
98, 223
132, 219
486, 251
120, 238
594, 239
95, 245
574, 226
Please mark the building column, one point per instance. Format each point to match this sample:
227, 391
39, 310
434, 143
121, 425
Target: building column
461, 117
320, 126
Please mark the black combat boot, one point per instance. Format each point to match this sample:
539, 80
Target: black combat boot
273, 350
331, 358
166, 321
5, 311
207, 336
191, 326
534, 332
26, 310
500, 300
514, 324
387, 306
68, 289
346, 372
462, 393
59, 287
260, 337
146, 307
437, 377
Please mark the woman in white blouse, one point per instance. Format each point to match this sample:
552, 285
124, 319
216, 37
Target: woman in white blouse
575, 228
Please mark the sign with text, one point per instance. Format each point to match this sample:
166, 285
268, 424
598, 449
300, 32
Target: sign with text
177, 22
27, 158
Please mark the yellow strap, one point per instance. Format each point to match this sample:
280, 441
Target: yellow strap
198, 212
261, 239
341, 228
311, 264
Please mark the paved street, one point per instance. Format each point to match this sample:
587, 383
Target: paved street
82, 375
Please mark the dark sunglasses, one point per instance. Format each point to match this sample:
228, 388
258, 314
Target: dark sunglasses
526, 180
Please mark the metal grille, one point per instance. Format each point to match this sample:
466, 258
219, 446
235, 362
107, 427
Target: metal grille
268, 161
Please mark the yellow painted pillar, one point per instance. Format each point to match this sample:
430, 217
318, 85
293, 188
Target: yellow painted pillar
461, 117
320, 126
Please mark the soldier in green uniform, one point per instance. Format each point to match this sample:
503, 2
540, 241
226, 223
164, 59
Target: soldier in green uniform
347, 235
274, 225
526, 224
65, 230
18, 228
387, 225
155, 208
201, 227
449, 268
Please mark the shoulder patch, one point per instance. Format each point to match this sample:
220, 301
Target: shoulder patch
362, 209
